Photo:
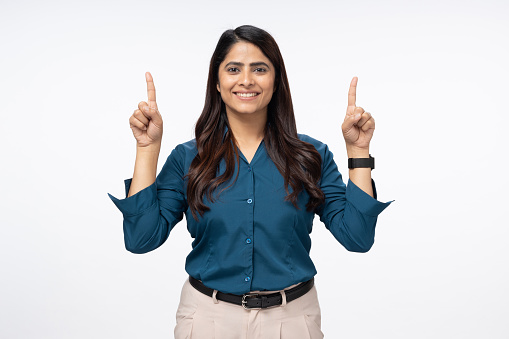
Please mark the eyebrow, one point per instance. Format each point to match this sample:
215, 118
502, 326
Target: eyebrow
253, 64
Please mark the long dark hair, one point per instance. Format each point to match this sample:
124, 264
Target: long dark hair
297, 161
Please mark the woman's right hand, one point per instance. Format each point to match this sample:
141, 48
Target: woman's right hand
146, 122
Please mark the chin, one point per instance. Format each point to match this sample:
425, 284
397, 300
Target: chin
247, 112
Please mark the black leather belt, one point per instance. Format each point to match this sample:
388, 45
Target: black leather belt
254, 300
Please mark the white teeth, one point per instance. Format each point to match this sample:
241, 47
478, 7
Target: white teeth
247, 95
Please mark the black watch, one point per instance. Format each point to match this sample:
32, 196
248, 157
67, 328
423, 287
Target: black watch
361, 162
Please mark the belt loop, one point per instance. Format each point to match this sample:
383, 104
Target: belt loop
283, 295
214, 299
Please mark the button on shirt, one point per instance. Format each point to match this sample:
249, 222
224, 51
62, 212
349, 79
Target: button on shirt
251, 238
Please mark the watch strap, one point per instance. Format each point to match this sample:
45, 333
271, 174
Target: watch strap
361, 162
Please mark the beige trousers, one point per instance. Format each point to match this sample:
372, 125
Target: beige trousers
202, 317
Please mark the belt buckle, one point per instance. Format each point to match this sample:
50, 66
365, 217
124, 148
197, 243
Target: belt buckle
244, 301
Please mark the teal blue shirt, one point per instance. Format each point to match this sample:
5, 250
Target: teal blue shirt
251, 239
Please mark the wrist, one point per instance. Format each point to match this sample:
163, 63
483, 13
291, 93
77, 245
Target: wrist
357, 152
152, 148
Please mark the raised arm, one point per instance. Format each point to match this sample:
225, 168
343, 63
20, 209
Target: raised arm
358, 128
350, 211
153, 204
147, 126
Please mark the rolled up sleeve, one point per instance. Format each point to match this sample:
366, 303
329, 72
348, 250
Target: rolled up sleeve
150, 214
348, 212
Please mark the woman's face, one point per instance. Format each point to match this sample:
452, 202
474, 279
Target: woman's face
246, 80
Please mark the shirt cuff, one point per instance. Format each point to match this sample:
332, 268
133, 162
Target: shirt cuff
136, 203
363, 202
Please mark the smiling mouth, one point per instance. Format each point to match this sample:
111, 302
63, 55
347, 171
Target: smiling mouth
246, 95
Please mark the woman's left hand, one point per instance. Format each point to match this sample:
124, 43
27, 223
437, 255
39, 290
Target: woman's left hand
358, 126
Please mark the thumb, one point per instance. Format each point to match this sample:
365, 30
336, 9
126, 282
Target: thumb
154, 116
350, 121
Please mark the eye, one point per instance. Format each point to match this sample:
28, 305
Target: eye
232, 69
260, 70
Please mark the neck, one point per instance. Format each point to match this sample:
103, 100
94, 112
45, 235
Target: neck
247, 128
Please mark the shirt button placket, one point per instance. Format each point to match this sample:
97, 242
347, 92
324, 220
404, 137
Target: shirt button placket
250, 225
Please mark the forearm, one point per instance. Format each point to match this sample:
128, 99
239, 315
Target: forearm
360, 176
145, 168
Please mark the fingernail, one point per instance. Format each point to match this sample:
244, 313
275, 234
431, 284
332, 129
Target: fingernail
357, 116
145, 108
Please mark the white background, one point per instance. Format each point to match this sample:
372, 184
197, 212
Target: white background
433, 73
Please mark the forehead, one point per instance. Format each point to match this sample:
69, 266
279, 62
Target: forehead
245, 52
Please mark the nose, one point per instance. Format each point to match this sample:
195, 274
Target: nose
246, 78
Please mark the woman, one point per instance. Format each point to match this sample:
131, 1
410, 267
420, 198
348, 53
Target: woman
249, 186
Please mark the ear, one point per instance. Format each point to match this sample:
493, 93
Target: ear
218, 89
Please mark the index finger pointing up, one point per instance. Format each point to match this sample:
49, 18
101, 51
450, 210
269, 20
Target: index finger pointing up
151, 90
352, 92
